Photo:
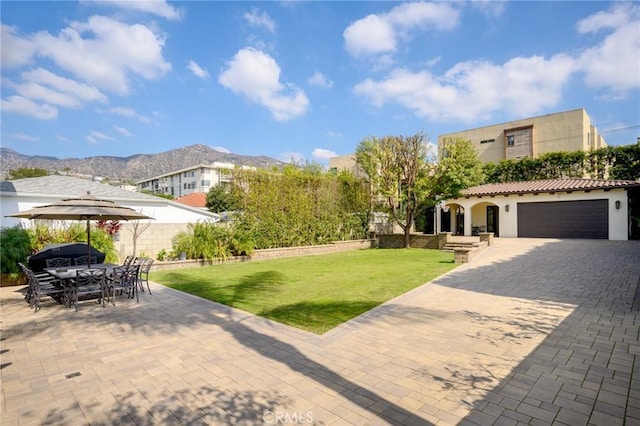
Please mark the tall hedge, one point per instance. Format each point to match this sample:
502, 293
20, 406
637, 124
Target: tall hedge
612, 162
301, 206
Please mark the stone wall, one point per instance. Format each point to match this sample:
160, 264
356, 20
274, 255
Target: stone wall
336, 247
435, 242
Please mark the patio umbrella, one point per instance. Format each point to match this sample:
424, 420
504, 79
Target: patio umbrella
85, 208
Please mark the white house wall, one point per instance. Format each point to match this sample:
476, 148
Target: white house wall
508, 221
162, 211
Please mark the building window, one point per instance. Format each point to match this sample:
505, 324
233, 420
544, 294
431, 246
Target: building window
206, 182
511, 140
488, 141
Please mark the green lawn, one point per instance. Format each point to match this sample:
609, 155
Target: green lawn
314, 293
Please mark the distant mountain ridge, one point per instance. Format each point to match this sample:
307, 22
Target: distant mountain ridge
135, 167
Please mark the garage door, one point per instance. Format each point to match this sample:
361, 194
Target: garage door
564, 219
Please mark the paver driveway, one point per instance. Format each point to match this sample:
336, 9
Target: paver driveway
533, 331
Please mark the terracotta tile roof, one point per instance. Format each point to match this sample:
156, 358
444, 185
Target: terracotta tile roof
196, 199
547, 186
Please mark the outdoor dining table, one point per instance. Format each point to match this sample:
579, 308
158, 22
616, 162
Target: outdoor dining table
67, 274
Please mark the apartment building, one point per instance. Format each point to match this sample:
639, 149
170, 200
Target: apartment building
191, 180
532, 137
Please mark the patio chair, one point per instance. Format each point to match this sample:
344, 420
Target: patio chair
89, 282
81, 260
39, 288
128, 260
143, 275
44, 278
55, 262
124, 279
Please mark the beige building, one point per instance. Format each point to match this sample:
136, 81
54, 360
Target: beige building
344, 162
199, 178
532, 137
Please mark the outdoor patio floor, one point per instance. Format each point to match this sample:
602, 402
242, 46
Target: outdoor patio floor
531, 332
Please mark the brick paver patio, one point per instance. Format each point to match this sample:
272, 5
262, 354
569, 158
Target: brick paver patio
531, 332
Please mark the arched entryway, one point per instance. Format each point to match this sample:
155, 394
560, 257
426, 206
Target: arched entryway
452, 219
485, 218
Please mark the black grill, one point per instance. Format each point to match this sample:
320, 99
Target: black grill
38, 261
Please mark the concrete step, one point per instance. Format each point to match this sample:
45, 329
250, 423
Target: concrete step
452, 246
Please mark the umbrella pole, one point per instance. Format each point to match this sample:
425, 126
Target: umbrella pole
88, 243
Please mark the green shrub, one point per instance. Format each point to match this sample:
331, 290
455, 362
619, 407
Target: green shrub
15, 246
162, 255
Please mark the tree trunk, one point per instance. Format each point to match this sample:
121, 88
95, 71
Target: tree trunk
407, 237
407, 227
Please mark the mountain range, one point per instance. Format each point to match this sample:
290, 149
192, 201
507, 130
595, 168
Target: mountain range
135, 167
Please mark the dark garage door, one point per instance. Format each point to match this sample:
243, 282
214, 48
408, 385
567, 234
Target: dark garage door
564, 219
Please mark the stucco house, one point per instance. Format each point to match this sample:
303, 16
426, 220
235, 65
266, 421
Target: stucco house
554, 208
169, 217
532, 137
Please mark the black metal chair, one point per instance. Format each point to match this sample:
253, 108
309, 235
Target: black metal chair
56, 262
81, 260
89, 282
38, 288
143, 275
124, 279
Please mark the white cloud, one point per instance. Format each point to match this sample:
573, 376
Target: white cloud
62, 138
332, 134
16, 50
323, 154
256, 75
94, 137
369, 36
423, 15
24, 137
221, 149
197, 70
613, 18
261, 19
490, 8
24, 106
127, 112
44, 85
122, 131
614, 63
155, 7
102, 51
319, 79
291, 157
473, 91
380, 34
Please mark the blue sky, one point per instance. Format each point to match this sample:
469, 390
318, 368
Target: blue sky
305, 80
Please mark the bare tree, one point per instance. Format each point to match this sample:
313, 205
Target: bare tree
137, 228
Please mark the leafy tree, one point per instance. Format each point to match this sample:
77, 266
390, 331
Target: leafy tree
221, 199
458, 168
26, 172
404, 178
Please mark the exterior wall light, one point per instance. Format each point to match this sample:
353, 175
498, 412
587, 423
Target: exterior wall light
506, 208
617, 204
